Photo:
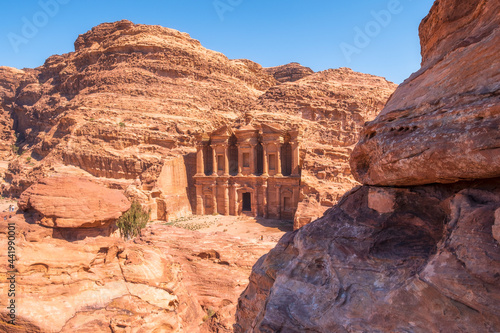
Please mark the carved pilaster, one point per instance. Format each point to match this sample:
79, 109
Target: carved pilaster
264, 200
240, 161
226, 161
252, 159
200, 205
226, 199
214, 199
278, 200
266, 161
200, 164
295, 159
278, 160
214, 160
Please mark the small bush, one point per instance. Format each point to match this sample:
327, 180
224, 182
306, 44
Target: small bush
133, 221
121, 124
210, 313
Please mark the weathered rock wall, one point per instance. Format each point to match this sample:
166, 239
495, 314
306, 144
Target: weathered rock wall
441, 124
174, 200
379, 255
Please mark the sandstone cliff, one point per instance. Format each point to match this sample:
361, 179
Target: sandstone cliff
126, 105
441, 125
408, 258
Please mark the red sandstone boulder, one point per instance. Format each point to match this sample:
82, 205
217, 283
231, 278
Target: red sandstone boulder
418, 259
73, 202
441, 125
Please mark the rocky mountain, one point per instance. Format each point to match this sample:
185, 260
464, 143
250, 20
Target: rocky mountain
423, 256
131, 97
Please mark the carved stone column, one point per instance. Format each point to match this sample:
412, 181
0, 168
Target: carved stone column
240, 161
278, 198
296, 198
214, 199
237, 203
264, 200
252, 159
235, 200
295, 159
278, 160
200, 205
214, 160
265, 172
226, 199
200, 164
255, 205
226, 160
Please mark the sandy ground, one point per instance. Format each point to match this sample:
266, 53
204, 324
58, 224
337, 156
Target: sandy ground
243, 227
5, 203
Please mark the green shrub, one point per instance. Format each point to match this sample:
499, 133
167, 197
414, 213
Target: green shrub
133, 221
121, 124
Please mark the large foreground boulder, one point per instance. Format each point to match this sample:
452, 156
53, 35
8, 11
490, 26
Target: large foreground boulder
418, 259
441, 125
73, 202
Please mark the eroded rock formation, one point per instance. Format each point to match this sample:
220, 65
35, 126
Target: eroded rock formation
417, 259
168, 280
131, 97
70, 202
441, 125
408, 258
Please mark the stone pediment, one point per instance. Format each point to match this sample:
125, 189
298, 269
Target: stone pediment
224, 131
272, 129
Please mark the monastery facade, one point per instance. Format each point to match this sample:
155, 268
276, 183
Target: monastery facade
253, 170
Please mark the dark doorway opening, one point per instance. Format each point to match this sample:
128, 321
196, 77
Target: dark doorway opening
247, 202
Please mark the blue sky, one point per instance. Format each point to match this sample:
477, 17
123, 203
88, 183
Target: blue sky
372, 36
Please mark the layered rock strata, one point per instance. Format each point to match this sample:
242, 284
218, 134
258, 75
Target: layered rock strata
441, 125
130, 98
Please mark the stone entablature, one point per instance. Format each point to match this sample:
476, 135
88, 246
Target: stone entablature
253, 169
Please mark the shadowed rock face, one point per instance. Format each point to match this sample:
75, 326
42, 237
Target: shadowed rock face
428, 263
413, 258
441, 125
